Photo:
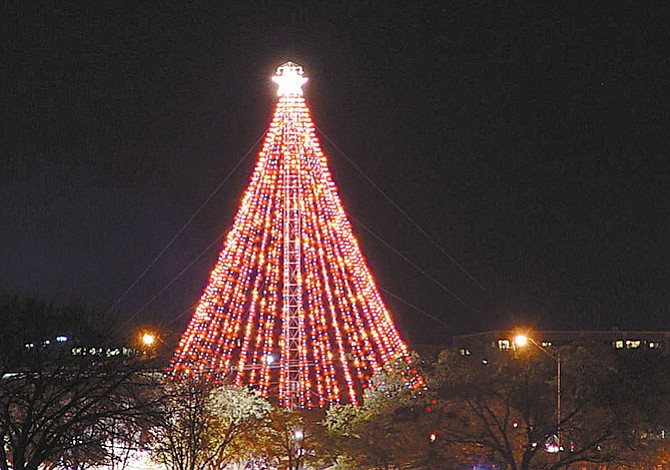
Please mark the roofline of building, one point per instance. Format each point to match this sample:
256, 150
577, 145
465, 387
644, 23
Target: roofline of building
577, 333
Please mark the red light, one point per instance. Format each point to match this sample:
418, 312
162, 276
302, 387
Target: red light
291, 282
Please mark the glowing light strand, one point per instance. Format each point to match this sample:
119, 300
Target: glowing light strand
291, 300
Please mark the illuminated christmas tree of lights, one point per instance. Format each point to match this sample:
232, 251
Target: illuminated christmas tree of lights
291, 307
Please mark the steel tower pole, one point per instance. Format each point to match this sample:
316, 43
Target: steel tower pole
292, 289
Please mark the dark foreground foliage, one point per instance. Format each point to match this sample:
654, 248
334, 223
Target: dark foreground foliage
68, 389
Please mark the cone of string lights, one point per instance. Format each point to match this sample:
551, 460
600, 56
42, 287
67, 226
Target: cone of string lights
291, 308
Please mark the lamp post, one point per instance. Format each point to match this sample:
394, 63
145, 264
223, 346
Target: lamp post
149, 342
521, 341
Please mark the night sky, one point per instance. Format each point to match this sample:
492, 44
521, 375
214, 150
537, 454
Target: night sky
528, 140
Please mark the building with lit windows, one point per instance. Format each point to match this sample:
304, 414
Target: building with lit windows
617, 339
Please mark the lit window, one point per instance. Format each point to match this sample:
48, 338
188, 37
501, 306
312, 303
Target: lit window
465, 352
503, 344
618, 344
632, 344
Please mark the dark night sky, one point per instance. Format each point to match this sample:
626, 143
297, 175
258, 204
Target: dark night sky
531, 142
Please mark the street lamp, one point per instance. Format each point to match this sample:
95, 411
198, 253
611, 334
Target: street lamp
148, 339
521, 341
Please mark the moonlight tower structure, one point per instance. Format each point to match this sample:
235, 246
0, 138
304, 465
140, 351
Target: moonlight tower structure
291, 307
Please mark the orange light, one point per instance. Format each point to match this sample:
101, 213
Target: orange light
520, 340
148, 339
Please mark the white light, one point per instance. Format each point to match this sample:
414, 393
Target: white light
552, 445
552, 448
269, 359
61, 339
290, 79
148, 339
133, 458
298, 434
521, 340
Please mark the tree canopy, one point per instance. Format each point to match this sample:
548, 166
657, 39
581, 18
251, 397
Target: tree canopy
66, 389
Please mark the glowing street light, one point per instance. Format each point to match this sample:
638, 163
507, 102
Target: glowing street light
148, 342
148, 339
521, 341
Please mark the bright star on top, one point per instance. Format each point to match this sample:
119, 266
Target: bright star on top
290, 79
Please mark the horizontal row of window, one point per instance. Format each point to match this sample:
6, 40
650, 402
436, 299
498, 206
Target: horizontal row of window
506, 344
635, 344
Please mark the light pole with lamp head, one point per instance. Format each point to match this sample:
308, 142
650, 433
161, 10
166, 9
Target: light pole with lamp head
521, 341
